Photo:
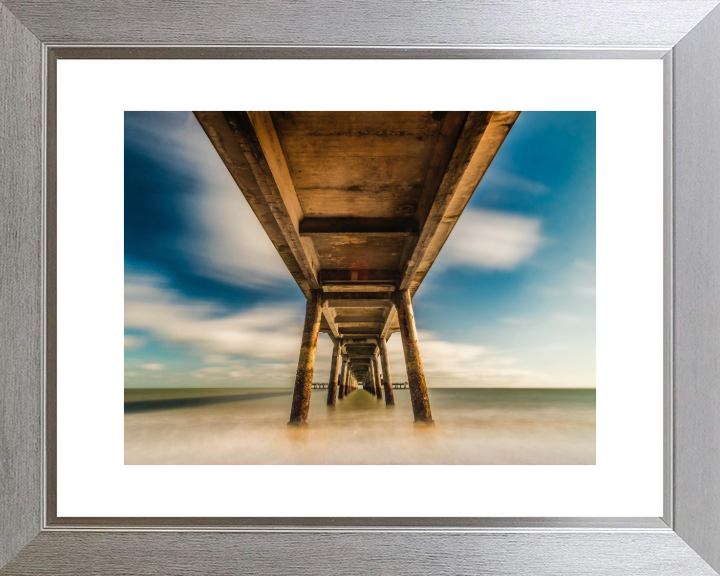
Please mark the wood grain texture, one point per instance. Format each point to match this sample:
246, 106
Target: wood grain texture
368, 22
20, 284
697, 288
74, 553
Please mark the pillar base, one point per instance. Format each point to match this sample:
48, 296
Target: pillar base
424, 423
297, 423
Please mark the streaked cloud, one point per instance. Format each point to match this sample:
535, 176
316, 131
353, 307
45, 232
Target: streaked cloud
153, 367
133, 342
459, 365
269, 332
492, 240
228, 243
511, 182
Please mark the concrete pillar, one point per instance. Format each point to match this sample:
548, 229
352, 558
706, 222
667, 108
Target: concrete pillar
370, 379
346, 368
387, 379
375, 367
413, 362
335, 365
306, 361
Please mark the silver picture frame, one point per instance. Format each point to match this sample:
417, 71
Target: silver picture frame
685, 34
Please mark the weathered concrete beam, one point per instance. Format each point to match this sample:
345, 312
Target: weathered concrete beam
359, 276
346, 319
481, 136
361, 349
350, 329
360, 299
349, 226
255, 133
390, 315
217, 128
364, 335
413, 362
360, 340
306, 361
352, 287
329, 315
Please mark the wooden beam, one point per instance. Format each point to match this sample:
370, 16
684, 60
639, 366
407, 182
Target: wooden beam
481, 137
256, 136
400, 226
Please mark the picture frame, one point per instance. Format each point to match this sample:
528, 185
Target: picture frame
684, 34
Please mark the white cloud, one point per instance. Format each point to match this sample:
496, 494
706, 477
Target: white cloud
585, 291
133, 342
229, 244
514, 182
153, 367
492, 240
265, 332
515, 321
243, 372
458, 365
234, 247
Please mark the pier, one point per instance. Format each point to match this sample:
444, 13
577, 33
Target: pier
358, 205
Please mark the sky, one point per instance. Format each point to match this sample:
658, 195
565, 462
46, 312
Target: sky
508, 303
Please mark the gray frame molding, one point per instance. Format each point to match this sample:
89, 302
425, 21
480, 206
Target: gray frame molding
686, 33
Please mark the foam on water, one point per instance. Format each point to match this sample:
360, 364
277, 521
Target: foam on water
248, 426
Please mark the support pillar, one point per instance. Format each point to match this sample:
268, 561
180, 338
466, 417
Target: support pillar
376, 374
413, 362
348, 376
387, 379
370, 378
334, 372
306, 361
346, 368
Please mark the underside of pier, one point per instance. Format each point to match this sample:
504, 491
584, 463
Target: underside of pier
358, 205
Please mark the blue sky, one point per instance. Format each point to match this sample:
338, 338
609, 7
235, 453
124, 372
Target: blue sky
509, 302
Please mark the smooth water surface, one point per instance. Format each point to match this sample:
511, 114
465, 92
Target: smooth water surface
249, 426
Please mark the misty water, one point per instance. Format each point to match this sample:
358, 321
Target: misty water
249, 426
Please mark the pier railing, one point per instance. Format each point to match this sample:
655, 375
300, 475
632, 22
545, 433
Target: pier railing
324, 385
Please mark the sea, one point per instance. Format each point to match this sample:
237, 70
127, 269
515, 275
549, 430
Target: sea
249, 426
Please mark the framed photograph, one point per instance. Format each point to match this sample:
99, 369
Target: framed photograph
360, 334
